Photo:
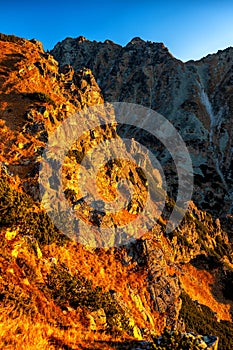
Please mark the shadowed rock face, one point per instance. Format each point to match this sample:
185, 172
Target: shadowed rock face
195, 96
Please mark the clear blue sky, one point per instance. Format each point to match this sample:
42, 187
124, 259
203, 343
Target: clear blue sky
190, 29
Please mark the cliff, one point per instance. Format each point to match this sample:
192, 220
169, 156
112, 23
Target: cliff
196, 96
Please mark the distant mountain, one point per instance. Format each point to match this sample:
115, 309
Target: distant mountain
196, 96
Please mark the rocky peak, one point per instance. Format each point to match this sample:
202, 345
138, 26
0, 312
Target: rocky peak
136, 40
81, 39
109, 42
38, 44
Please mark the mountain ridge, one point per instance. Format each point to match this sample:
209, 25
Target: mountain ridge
108, 41
196, 97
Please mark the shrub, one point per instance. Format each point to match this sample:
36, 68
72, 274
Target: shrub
77, 291
11, 38
42, 228
176, 340
17, 300
77, 154
199, 319
40, 97
16, 209
182, 240
70, 194
221, 248
228, 285
14, 206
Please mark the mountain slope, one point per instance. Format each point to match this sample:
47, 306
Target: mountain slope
56, 293
195, 96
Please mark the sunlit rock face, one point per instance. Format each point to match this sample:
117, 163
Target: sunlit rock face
37, 97
196, 96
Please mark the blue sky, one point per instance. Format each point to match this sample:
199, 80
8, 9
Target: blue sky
190, 29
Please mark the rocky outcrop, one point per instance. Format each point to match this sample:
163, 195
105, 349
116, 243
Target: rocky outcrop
34, 100
163, 289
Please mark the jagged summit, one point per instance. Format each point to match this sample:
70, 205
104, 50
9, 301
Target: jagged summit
137, 40
81, 39
147, 74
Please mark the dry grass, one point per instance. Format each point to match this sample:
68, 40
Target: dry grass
198, 285
30, 334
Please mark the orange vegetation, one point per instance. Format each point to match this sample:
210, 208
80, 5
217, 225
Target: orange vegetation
198, 285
